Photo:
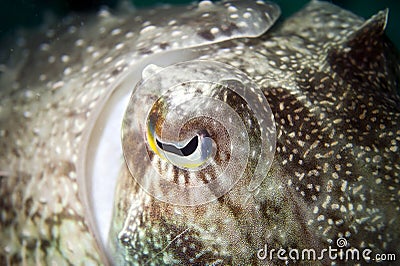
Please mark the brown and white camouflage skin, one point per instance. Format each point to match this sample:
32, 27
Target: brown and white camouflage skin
329, 76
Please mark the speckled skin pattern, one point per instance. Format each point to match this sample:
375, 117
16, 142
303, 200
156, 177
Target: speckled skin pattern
330, 79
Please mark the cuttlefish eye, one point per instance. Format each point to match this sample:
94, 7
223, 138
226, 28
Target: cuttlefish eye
199, 126
189, 154
107, 158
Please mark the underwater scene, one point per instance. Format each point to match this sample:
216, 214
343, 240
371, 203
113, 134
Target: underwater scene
229, 132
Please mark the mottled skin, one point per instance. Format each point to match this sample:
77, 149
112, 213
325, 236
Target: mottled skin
331, 82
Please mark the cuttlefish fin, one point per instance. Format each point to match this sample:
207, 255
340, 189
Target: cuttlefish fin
365, 59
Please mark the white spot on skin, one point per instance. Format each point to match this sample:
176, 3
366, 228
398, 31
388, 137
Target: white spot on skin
205, 4
79, 43
90, 49
148, 29
176, 33
104, 13
214, 31
51, 59
119, 46
129, 35
172, 22
242, 24
58, 84
344, 186
44, 47
326, 202
232, 9
115, 32
67, 71
247, 15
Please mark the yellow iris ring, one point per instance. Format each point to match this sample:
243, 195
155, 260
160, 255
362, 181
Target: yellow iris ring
151, 141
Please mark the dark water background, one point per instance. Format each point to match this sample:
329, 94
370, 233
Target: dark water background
30, 13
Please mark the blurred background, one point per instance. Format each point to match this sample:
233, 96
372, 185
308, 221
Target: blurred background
30, 13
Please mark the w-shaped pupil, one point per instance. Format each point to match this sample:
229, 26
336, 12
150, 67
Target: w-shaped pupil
185, 151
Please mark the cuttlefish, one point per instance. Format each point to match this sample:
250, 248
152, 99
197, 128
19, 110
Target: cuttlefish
205, 134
